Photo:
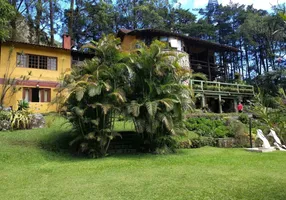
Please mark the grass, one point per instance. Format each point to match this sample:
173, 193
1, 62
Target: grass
29, 170
124, 126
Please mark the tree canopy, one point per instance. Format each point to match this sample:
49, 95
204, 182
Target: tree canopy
258, 34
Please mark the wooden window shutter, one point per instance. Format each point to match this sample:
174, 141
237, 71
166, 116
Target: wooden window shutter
42, 95
23, 93
49, 95
30, 94
26, 94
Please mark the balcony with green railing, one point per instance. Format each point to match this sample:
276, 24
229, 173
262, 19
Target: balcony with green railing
213, 87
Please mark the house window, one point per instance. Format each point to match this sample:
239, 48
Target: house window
52, 63
33, 61
36, 61
163, 39
21, 60
37, 94
43, 62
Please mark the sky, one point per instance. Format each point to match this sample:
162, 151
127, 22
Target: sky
258, 4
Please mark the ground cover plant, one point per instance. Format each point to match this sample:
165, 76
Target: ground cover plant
209, 128
34, 166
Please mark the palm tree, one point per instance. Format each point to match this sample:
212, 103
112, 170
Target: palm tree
94, 92
159, 98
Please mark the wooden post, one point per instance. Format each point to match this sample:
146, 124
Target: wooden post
203, 101
235, 104
219, 103
225, 67
209, 67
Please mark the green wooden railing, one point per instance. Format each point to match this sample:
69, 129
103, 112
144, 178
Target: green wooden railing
219, 87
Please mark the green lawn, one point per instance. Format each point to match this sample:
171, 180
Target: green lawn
30, 171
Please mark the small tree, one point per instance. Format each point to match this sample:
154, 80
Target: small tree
7, 13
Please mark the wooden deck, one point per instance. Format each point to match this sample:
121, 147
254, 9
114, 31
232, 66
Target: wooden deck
219, 88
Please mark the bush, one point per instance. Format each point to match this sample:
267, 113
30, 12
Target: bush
208, 127
164, 145
240, 133
5, 123
203, 141
20, 119
243, 118
185, 141
4, 115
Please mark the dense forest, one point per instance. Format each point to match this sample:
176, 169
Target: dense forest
259, 34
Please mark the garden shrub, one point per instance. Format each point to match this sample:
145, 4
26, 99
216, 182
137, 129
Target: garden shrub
240, 133
20, 119
243, 117
208, 127
185, 141
4, 115
203, 141
14, 120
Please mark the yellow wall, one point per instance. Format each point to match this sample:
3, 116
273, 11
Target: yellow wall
63, 66
128, 42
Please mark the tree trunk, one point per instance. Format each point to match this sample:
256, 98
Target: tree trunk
257, 62
241, 60
71, 18
30, 23
13, 22
134, 16
52, 31
247, 61
39, 9
261, 56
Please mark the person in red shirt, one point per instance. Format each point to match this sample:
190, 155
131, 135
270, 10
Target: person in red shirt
240, 107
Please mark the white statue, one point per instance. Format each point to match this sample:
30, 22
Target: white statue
260, 135
277, 142
278, 147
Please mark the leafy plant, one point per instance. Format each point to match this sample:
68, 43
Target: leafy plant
20, 119
23, 105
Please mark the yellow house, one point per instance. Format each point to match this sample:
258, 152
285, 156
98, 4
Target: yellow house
44, 65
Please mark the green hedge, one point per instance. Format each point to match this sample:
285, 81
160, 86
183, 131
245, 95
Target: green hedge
205, 131
208, 127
